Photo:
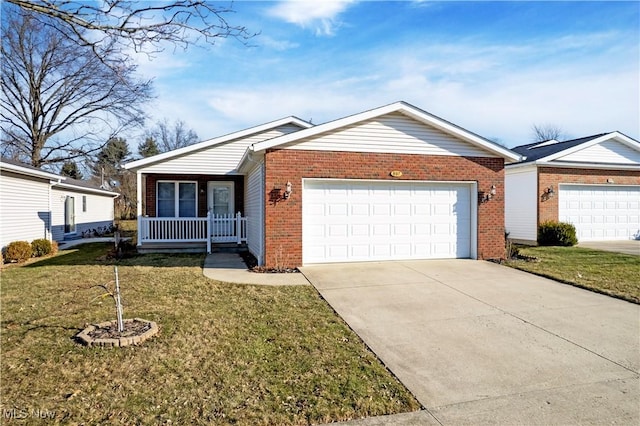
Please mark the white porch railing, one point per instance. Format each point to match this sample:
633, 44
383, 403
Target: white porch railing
210, 229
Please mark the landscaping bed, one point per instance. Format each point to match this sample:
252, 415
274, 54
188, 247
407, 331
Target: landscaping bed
614, 274
225, 353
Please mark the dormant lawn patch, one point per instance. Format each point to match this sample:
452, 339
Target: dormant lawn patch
225, 353
614, 274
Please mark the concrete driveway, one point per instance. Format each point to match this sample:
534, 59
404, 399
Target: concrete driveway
479, 343
626, 246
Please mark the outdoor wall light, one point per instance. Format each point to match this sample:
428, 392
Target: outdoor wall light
489, 195
549, 192
287, 191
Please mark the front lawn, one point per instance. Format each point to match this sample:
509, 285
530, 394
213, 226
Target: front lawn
225, 354
614, 274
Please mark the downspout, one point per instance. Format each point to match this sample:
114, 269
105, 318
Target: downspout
249, 157
139, 206
49, 227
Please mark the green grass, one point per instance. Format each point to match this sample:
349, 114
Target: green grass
225, 354
614, 274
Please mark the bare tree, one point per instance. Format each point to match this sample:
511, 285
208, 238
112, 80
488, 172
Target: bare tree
547, 132
58, 97
142, 26
172, 136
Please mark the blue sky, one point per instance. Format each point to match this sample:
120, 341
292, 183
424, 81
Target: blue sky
494, 68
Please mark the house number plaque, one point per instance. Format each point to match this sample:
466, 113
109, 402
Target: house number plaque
396, 173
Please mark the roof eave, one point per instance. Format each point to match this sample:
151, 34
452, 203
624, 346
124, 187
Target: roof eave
86, 189
401, 107
138, 164
29, 172
572, 165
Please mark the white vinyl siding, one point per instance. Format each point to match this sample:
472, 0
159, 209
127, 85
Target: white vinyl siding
601, 212
610, 152
99, 212
219, 159
391, 133
254, 210
521, 209
351, 220
24, 208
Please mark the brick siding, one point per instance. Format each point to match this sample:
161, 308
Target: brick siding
283, 227
554, 176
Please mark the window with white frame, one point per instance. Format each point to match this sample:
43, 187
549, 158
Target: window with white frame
176, 199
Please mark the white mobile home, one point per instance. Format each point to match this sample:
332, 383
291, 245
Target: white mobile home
38, 204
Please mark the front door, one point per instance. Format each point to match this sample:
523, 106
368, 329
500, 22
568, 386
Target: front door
220, 198
69, 215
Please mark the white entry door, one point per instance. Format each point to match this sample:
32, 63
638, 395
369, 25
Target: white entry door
220, 198
601, 212
354, 220
69, 215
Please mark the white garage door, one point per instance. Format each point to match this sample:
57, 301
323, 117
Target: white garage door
601, 212
346, 221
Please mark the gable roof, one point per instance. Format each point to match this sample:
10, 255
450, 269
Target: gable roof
133, 165
52, 178
397, 107
544, 152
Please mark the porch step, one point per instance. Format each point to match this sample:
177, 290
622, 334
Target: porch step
228, 248
191, 248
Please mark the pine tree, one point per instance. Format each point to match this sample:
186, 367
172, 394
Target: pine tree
109, 171
70, 169
148, 148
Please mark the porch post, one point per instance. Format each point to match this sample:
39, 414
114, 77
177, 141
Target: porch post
239, 227
139, 205
208, 232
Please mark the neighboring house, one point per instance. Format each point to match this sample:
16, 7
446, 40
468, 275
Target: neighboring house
591, 182
390, 183
38, 204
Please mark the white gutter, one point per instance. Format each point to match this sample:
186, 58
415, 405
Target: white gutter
85, 189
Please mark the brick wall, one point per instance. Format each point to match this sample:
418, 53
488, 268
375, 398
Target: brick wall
283, 227
149, 205
554, 176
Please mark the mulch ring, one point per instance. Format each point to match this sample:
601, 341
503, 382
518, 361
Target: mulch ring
252, 265
135, 331
131, 328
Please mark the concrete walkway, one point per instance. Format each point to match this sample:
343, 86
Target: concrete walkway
230, 268
626, 247
478, 343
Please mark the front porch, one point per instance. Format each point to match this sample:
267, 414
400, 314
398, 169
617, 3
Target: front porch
191, 234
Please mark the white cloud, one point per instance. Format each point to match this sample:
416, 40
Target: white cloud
277, 45
495, 90
319, 16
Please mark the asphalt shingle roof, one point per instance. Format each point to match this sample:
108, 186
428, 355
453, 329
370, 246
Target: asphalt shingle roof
534, 153
66, 180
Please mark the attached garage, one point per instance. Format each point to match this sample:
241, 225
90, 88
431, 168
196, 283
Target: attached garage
392, 183
601, 212
591, 182
362, 220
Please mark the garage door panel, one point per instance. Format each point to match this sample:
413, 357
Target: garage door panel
385, 221
338, 231
601, 212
